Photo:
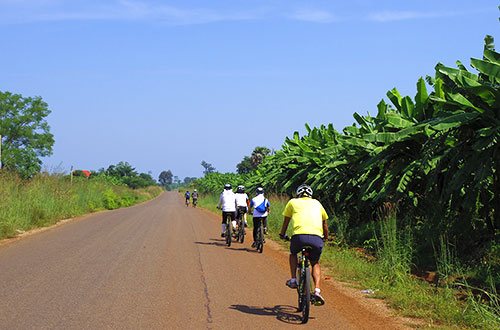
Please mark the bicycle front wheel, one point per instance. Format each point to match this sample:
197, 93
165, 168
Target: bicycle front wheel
228, 234
260, 244
306, 292
241, 231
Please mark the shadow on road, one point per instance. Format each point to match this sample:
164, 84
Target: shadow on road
216, 242
283, 313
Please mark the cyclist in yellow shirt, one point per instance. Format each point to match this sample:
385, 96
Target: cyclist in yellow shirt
309, 228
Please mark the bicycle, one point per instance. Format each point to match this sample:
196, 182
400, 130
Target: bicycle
194, 202
259, 242
229, 231
187, 202
305, 298
240, 235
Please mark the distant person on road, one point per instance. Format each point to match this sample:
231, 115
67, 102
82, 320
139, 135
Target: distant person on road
242, 203
187, 195
309, 228
227, 202
194, 196
261, 207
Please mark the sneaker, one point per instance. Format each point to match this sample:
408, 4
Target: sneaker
254, 244
265, 230
291, 285
318, 299
222, 235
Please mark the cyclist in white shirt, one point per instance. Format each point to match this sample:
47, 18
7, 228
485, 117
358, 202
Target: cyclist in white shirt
227, 202
242, 203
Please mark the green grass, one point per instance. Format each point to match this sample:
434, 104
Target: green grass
47, 199
389, 276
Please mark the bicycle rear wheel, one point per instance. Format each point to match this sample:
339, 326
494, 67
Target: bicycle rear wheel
260, 238
228, 234
241, 231
306, 292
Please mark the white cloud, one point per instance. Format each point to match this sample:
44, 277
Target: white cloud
313, 15
388, 16
24, 11
51, 10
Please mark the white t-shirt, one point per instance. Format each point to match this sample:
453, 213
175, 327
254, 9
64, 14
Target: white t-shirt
261, 201
228, 201
241, 199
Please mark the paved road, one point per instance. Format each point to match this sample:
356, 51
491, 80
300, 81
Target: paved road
158, 265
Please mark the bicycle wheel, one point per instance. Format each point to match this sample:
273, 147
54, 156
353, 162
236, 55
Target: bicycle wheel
260, 238
228, 234
300, 283
306, 291
241, 231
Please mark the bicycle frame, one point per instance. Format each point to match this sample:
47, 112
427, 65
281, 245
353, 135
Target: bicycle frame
241, 227
304, 284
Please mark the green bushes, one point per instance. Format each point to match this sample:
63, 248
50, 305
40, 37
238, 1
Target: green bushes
46, 199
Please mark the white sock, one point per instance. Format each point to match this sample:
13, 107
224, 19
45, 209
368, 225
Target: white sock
317, 290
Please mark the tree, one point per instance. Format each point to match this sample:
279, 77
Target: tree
245, 166
165, 178
208, 167
188, 179
121, 170
143, 180
25, 134
258, 155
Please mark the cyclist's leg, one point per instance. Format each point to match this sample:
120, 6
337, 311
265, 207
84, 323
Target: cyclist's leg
293, 265
316, 273
224, 222
295, 247
317, 248
256, 224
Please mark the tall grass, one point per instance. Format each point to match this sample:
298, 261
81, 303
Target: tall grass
46, 199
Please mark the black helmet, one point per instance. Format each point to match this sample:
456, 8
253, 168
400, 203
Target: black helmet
227, 186
240, 189
304, 190
259, 190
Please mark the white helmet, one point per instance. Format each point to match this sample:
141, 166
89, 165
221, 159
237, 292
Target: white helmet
304, 190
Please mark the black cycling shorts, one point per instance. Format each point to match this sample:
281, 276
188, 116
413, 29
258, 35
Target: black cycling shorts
314, 241
226, 215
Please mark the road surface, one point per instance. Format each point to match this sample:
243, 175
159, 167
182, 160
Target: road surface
158, 265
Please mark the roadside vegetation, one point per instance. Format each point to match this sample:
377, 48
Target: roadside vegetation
45, 199
441, 299
413, 194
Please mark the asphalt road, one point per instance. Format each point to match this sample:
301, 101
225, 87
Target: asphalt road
158, 265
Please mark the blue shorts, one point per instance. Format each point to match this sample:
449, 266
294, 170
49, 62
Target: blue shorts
314, 241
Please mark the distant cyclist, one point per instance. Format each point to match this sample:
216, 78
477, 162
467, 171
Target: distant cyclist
187, 195
261, 207
309, 227
194, 196
227, 202
242, 203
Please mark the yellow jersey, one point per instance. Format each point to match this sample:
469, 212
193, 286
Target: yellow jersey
307, 216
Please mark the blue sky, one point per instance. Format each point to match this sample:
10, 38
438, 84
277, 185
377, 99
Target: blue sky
167, 84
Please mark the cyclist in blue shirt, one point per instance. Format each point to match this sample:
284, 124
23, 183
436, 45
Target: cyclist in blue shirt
261, 207
188, 196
